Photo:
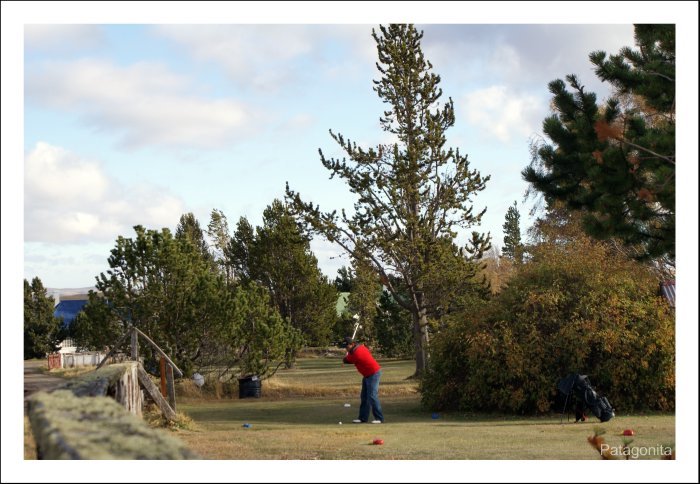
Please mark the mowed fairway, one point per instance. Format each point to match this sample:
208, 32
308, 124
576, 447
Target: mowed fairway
298, 415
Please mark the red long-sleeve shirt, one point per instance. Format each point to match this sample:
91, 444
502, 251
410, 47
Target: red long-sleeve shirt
363, 360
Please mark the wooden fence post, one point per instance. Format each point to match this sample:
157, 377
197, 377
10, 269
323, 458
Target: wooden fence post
171, 385
163, 388
134, 345
153, 391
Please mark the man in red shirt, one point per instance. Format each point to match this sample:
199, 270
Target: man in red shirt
359, 355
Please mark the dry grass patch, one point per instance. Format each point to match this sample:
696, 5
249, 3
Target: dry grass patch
69, 373
312, 377
154, 418
29, 442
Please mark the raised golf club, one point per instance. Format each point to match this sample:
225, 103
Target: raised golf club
356, 317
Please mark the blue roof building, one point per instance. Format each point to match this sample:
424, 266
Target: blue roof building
69, 309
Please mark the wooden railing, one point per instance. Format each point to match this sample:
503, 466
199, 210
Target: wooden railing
168, 407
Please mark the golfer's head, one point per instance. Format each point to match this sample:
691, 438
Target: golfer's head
348, 343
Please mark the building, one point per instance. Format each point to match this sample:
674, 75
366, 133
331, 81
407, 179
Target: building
67, 309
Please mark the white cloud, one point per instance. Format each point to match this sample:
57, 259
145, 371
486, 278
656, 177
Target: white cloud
144, 103
269, 57
501, 113
525, 54
250, 54
70, 199
62, 37
54, 175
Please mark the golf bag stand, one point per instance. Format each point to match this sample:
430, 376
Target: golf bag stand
565, 387
580, 386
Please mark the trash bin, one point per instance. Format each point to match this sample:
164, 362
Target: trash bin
249, 387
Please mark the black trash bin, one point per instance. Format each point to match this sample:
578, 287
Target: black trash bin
249, 387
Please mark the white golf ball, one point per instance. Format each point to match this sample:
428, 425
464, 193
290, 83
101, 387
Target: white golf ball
346, 405
340, 423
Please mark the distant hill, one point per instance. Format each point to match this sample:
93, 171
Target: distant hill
63, 293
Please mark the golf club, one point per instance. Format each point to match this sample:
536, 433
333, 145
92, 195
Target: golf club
357, 325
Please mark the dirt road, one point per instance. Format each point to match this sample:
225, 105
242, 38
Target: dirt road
36, 380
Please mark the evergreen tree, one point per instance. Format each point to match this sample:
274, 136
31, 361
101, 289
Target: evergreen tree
165, 286
189, 228
414, 194
278, 257
42, 330
344, 280
393, 328
616, 163
98, 325
512, 246
257, 341
364, 299
218, 232
238, 252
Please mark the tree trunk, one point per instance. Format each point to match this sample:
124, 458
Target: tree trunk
420, 338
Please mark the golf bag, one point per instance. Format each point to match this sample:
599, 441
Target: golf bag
579, 386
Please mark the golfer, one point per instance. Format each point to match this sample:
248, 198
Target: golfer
359, 355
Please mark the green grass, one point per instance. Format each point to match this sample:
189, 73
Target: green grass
298, 415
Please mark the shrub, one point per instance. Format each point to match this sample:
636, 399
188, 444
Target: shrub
575, 307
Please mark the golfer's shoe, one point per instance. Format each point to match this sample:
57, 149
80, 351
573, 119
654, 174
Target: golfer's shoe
357, 420
376, 421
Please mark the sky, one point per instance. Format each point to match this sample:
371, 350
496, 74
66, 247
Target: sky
140, 123
121, 116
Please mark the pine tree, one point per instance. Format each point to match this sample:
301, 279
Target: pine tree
42, 330
277, 255
512, 245
393, 326
364, 298
189, 228
344, 280
414, 194
238, 252
616, 163
164, 285
218, 232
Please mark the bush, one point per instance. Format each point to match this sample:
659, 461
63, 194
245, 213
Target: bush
575, 307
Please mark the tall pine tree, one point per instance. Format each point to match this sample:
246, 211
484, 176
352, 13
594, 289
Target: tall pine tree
512, 245
617, 163
414, 194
